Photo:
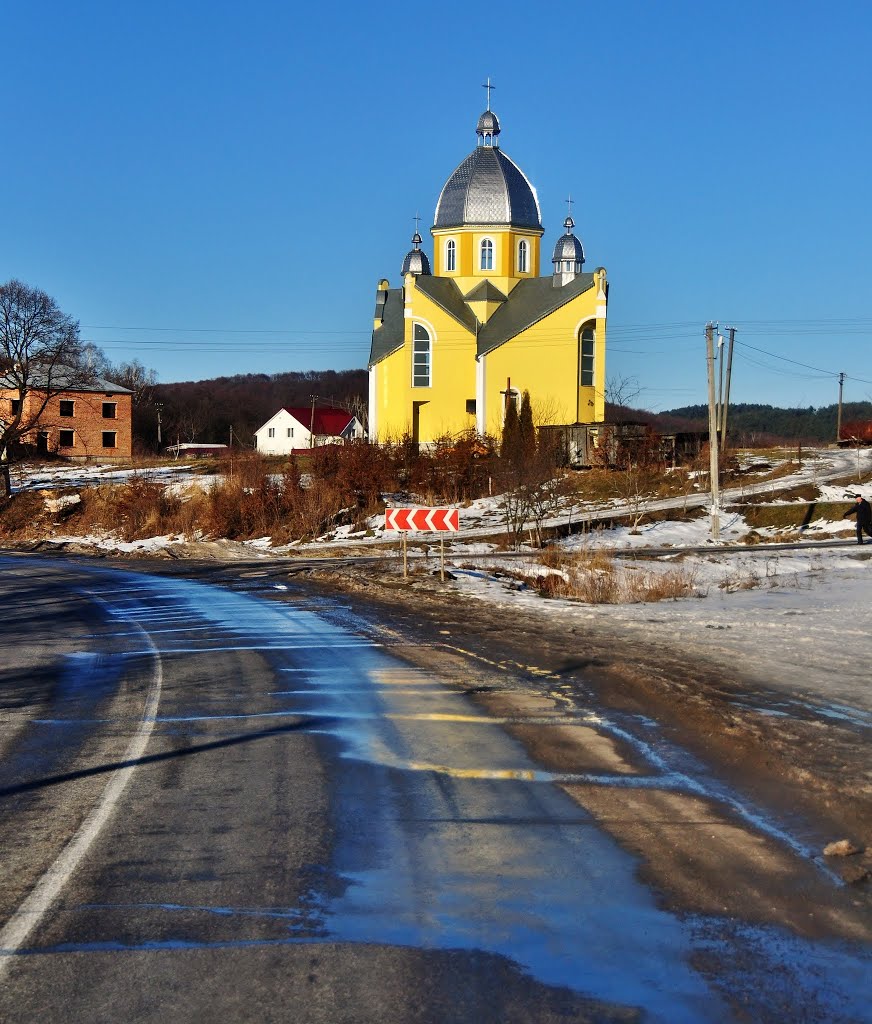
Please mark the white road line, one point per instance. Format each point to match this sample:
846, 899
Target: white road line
36, 905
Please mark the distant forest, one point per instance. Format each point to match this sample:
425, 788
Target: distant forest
750, 425
206, 410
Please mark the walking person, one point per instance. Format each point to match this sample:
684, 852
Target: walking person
863, 511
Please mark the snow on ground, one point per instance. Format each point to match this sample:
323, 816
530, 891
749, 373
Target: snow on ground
799, 621
55, 475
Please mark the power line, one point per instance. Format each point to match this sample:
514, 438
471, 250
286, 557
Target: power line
796, 362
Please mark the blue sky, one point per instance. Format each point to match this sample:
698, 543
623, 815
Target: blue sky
216, 188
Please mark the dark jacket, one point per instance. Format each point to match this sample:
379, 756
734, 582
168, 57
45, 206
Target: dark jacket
863, 511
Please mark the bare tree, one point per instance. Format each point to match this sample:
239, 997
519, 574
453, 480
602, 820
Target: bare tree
133, 376
634, 489
40, 357
621, 391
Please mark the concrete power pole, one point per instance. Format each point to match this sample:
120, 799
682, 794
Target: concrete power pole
839, 415
714, 470
726, 404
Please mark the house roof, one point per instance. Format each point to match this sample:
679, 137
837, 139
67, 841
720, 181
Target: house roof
66, 378
325, 421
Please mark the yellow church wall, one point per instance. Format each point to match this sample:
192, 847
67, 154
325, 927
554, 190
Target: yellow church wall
504, 274
544, 360
442, 406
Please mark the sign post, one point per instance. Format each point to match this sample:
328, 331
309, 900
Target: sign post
433, 520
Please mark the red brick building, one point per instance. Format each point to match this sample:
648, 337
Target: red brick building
87, 421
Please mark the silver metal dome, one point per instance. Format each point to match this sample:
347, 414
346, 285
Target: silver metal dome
568, 248
488, 188
488, 127
416, 262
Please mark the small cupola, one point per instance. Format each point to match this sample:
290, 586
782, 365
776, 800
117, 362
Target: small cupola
488, 127
568, 257
416, 261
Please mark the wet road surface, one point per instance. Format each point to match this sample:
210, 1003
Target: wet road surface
231, 808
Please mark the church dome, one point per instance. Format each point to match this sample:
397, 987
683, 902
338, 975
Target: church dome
568, 247
488, 188
416, 262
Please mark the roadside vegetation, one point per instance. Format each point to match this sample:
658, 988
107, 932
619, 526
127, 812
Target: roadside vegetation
597, 577
336, 490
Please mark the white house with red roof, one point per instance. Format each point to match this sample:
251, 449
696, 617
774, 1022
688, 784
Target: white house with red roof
298, 429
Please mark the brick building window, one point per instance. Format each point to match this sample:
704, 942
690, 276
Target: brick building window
108, 438
109, 410
66, 438
16, 405
67, 407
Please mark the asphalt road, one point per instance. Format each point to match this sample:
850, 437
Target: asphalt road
221, 808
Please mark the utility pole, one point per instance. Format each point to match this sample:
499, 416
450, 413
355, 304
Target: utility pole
714, 480
839, 415
726, 406
159, 407
312, 422
720, 409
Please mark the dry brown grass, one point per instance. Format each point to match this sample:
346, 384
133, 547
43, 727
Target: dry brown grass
597, 577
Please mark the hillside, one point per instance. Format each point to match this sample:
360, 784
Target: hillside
751, 424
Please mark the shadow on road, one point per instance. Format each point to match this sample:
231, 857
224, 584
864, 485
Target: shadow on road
102, 769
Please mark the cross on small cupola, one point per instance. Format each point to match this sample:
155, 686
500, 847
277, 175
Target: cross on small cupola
488, 127
568, 258
416, 262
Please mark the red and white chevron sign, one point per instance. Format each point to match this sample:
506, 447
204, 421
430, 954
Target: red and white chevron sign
433, 519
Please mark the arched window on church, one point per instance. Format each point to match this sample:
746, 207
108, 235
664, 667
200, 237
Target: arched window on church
586, 344
487, 254
522, 257
450, 255
421, 375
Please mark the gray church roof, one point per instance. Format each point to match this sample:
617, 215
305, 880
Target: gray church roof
445, 293
529, 301
485, 291
388, 337
488, 188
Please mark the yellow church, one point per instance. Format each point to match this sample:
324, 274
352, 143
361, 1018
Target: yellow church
452, 345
